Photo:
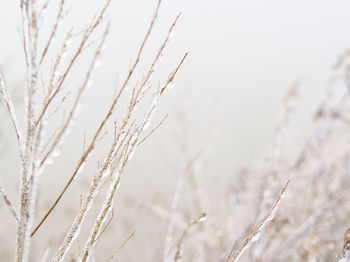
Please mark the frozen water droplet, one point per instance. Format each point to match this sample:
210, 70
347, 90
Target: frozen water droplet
49, 161
98, 63
56, 153
89, 82
41, 170
170, 85
146, 125
64, 55
81, 168
57, 74
131, 155
77, 110
202, 218
106, 172
68, 42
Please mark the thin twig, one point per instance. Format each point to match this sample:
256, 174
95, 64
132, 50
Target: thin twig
53, 31
63, 130
153, 130
257, 229
171, 78
119, 248
107, 117
106, 226
11, 111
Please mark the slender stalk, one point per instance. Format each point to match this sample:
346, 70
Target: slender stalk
29, 165
257, 229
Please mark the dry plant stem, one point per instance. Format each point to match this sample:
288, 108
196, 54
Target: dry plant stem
178, 253
83, 43
119, 248
74, 231
231, 252
106, 226
171, 78
64, 127
29, 167
159, 54
61, 81
123, 144
53, 32
54, 74
93, 237
107, 117
85, 207
257, 229
77, 102
116, 171
116, 175
152, 131
8, 203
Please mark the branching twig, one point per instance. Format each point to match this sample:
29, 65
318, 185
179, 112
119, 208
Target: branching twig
179, 248
152, 131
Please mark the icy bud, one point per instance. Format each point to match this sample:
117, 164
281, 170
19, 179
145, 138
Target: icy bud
203, 217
